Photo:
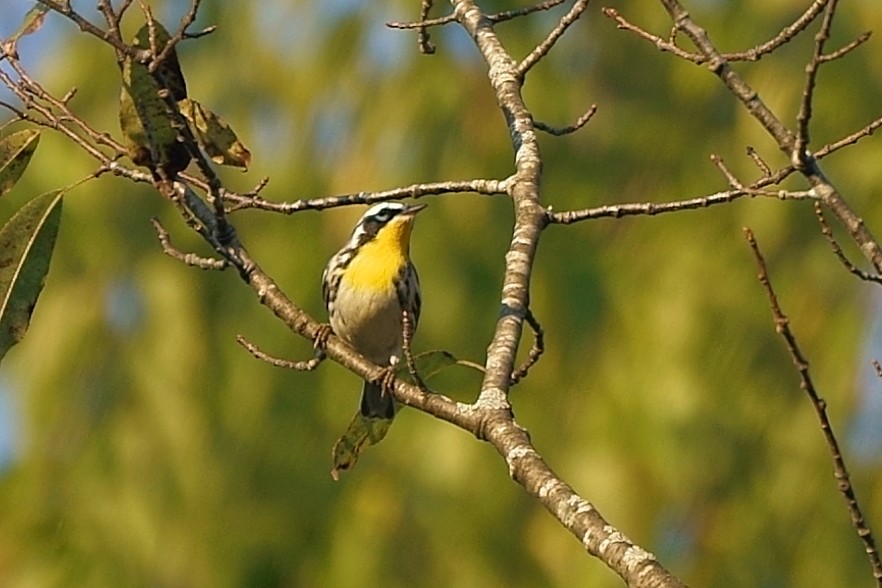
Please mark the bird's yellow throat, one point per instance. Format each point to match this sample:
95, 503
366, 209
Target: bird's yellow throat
380, 260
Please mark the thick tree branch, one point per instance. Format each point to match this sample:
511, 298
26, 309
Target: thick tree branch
524, 190
526, 466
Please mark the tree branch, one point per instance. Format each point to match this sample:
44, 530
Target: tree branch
497, 424
486, 187
542, 49
787, 141
782, 326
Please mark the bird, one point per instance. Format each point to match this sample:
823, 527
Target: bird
367, 287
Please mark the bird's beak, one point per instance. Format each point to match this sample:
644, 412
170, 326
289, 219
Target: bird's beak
413, 209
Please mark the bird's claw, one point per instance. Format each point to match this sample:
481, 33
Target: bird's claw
322, 334
386, 380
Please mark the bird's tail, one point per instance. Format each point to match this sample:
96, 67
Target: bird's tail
375, 403
368, 427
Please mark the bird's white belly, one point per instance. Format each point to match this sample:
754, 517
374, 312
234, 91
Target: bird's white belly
369, 321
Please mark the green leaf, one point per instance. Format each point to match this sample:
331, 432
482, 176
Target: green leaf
168, 74
144, 116
26, 244
15, 154
32, 22
215, 135
362, 433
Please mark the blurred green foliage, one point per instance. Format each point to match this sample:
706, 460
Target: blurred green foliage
154, 451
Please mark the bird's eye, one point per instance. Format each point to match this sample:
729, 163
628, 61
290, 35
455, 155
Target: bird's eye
382, 213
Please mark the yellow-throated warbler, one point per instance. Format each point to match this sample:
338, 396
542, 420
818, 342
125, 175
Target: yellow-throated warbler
367, 285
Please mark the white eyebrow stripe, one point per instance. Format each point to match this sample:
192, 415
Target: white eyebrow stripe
395, 207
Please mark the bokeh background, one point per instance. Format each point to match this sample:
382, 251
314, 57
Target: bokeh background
141, 446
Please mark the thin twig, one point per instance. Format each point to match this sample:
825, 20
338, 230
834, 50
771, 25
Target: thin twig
837, 249
654, 208
481, 186
755, 53
851, 139
493, 18
113, 39
423, 24
30, 93
36, 91
505, 15
256, 190
785, 35
757, 188
786, 140
536, 350
542, 49
799, 156
734, 183
190, 259
736, 84
407, 330
19, 114
782, 326
180, 35
759, 162
197, 214
302, 366
113, 18
667, 45
425, 44
560, 131
845, 50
